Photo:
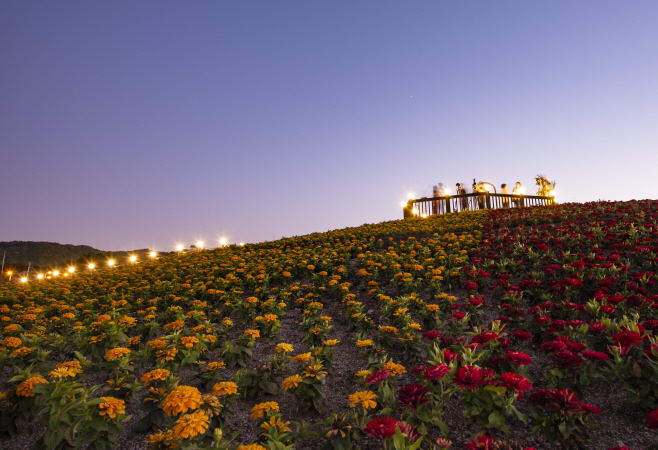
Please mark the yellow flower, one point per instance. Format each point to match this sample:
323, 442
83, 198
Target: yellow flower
181, 399
394, 369
331, 342
159, 440
173, 326
432, 308
414, 326
389, 329
11, 342
189, 341
260, 409
364, 398
314, 371
227, 322
191, 425
117, 353
287, 348
112, 406
291, 381
225, 388
363, 373
364, 343
167, 354
304, 357
252, 333
275, 422
215, 366
153, 375
25, 388
254, 446
62, 372
20, 352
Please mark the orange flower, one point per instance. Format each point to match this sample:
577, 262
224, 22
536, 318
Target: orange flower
181, 399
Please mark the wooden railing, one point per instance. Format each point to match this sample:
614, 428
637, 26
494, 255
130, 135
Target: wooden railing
428, 206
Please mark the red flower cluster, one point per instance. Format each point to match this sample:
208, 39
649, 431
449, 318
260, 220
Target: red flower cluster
562, 400
381, 428
434, 334
595, 356
485, 337
413, 395
468, 377
652, 420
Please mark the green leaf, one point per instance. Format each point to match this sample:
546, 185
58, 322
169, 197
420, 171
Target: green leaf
269, 387
496, 420
98, 424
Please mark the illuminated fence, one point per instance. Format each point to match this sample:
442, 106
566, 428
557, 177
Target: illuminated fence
428, 206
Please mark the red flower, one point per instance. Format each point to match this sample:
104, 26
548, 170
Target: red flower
378, 377
413, 395
482, 443
431, 334
449, 356
459, 315
566, 359
468, 377
596, 327
543, 319
576, 347
419, 369
436, 372
649, 350
522, 335
471, 286
608, 309
513, 381
408, 431
595, 356
540, 397
590, 408
485, 337
518, 358
553, 346
627, 338
382, 428
475, 301
652, 420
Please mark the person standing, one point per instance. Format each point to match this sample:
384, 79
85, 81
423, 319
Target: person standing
504, 190
461, 190
518, 190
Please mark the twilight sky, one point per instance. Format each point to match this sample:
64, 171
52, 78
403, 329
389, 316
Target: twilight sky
146, 124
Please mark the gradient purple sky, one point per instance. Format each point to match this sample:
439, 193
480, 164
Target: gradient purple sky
144, 124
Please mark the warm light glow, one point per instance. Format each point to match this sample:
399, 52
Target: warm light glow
222, 242
486, 187
40, 276
23, 279
9, 272
56, 272
447, 191
66, 274
153, 254
110, 262
241, 244
133, 258
91, 265
403, 204
410, 196
179, 248
71, 269
199, 244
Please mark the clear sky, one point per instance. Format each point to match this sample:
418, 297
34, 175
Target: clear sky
144, 124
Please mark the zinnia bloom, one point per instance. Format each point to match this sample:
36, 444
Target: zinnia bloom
518, 358
283, 348
434, 334
652, 420
302, 358
522, 335
485, 337
413, 395
191, 425
25, 388
260, 409
182, 399
394, 369
513, 381
112, 406
482, 443
378, 377
436, 372
364, 398
11, 342
153, 375
224, 388
627, 338
291, 382
117, 353
468, 377
381, 428
595, 356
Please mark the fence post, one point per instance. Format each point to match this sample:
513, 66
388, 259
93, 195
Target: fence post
521, 201
447, 197
488, 200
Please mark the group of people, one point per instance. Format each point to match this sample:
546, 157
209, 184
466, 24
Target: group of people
439, 191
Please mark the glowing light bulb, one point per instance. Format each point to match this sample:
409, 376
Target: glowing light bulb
23, 279
179, 248
153, 254
71, 269
241, 244
110, 262
55, 272
133, 259
40, 276
199, 244
92, 265
222, 242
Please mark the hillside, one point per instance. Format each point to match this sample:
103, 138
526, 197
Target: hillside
531, 325
51, 254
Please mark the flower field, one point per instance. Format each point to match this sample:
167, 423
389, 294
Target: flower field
506, 329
